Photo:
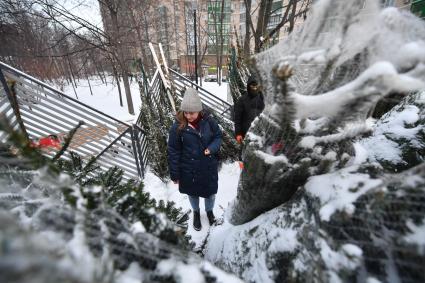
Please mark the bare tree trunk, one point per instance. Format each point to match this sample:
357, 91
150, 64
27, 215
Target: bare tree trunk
200, 57
99, 72
118, 50
216, 37
88, 80
247, 40
260, 33
139, 36
263, 20
292, 18
127, 91
73, 83
117, 78
220, 53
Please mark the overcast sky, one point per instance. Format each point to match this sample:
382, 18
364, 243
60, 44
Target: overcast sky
87, 9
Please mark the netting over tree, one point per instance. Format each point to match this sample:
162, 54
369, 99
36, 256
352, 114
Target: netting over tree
238, 74
77, 228
312, 180
322, 83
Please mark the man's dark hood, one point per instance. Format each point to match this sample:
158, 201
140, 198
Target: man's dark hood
253, 79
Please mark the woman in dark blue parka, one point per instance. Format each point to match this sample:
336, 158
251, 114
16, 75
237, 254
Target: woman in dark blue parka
193, 145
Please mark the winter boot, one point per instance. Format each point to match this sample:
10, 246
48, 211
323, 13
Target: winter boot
197, 221
211, 217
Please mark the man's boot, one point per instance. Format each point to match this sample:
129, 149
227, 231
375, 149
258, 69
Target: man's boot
197, 220
211, 217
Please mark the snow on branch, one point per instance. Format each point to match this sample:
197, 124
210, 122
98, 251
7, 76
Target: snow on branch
378, 80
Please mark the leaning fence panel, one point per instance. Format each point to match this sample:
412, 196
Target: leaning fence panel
46, 111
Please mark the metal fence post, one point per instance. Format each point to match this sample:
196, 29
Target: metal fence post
14, 102
141, 157
136, 151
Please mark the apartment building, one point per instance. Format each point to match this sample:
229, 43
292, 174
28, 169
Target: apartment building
213, 22
141, 22
171, 23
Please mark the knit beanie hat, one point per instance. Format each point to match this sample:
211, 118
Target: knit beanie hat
191, 101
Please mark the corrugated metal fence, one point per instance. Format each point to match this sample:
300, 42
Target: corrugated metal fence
39, 110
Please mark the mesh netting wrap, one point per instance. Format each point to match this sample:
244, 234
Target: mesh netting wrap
320, 85
299, 242
329, 194
45, 239
338, 42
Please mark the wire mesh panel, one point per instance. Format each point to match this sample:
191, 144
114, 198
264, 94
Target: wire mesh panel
47, 112
86, 243
141, 146
155, 91
221, 107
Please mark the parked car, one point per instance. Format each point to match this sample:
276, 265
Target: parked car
210, 78
189, 76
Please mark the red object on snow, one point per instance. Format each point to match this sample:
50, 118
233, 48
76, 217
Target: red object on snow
276, 146
50, 141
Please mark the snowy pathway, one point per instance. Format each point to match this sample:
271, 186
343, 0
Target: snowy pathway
105, 98
228, 178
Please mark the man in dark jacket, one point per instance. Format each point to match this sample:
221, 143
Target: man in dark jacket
247, 108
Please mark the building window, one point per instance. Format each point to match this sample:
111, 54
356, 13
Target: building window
215, 16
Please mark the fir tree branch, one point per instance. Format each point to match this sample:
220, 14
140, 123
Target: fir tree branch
67, 141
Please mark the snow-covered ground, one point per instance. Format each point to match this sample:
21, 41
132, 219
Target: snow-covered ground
105, 98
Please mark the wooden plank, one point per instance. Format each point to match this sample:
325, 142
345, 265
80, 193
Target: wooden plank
83, 135
165, 82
